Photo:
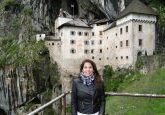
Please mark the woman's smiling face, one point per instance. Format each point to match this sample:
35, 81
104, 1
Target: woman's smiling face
87, 69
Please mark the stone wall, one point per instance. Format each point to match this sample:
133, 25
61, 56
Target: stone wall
151, 63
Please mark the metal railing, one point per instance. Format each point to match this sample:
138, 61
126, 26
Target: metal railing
106, 93
51, 102
134, 95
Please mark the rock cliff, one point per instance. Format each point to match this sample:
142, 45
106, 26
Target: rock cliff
25, 18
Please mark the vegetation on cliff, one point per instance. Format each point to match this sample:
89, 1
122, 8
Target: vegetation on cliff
18, 45
19, 49
159, 7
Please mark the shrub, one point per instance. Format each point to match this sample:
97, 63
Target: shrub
114, 79
9, 2
139, 63
49, 111
27, 11
108, 72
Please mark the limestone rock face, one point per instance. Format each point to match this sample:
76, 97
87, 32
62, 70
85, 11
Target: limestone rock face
15, 87
44, 12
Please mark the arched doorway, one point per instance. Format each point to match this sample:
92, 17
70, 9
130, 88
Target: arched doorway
139, 53
2, 112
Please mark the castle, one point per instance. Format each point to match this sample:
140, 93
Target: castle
116, 43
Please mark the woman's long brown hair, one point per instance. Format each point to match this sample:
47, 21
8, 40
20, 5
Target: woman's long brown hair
98, 80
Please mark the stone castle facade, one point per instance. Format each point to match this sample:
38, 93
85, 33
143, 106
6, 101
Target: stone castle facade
116, 43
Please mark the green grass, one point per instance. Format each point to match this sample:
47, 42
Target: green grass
152, 83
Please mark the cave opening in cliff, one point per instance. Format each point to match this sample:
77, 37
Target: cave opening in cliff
2, 112
73, 7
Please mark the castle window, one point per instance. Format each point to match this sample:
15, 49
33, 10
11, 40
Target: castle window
93, 57
116, 34
86, 33
127, 43
72, 51
107, 48
80, 33
99, 58
93, 33
86, 42
116, 57
100, 41
126, 29
101, 50
101, 32
72, 33
121, 57
121, 44
107, 37
116, 46
140, 28
86, 51
72, 41
121, 30
107, 58
126, 57
92, 51
140, 42
53, 44
92, 42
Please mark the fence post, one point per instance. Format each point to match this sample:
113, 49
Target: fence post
64, 104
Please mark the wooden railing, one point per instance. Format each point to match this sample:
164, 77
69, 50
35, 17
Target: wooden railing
63, 97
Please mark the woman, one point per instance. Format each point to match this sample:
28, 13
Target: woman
88, 96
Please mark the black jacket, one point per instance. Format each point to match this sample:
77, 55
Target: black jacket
87, 99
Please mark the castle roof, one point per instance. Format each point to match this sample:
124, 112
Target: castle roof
75, 23
137, 7
113, 24
101, 21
